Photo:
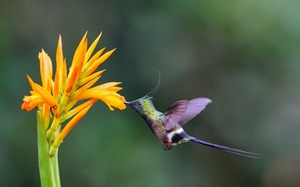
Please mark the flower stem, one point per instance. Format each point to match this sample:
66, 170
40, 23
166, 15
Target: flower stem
55, 168
48, 166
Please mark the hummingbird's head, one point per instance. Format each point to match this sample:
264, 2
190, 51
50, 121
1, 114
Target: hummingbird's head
144, 107
139, 104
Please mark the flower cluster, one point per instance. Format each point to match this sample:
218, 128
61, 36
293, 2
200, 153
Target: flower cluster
56, 99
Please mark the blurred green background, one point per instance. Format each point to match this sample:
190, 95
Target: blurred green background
244, 55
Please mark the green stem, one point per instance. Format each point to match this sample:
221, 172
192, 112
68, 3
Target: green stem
48, 166
55, 168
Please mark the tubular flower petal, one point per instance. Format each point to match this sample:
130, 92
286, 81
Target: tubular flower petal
45, 69
114, 100
58, 95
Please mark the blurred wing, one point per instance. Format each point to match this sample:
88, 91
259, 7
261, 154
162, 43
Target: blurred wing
174, 113
182, 111
194, 108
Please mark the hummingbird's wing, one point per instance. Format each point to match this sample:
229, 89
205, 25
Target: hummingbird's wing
184, 110
227, 149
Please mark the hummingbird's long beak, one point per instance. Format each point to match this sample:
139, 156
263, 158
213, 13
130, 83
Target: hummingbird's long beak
127, 102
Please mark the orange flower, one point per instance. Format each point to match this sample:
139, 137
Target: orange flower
57, 96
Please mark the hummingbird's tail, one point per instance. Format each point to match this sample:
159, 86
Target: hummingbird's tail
227, 149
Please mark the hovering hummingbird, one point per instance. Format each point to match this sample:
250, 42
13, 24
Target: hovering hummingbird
167, 126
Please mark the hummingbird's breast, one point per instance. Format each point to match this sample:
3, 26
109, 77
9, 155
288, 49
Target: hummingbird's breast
154, 120
159, 131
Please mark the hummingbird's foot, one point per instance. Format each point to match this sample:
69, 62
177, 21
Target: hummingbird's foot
167, 145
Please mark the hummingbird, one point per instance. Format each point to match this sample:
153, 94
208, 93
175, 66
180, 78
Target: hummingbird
167, 126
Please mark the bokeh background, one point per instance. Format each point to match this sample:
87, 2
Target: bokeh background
244, 55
